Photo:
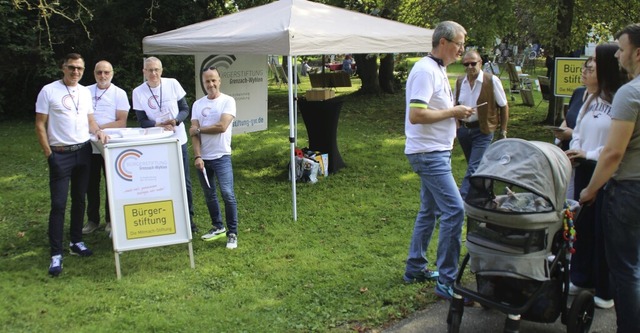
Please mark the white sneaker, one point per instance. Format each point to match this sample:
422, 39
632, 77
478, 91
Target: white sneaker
603, 303
213, 234
232, 241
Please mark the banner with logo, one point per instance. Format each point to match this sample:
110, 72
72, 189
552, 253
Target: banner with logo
245, 78
147, 194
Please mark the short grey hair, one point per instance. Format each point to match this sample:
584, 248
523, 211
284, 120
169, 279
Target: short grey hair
447, 30
150, 59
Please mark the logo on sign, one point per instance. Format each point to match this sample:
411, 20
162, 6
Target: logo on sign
123, 161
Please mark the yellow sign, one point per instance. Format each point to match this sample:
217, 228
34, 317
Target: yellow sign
568, 75
149, 219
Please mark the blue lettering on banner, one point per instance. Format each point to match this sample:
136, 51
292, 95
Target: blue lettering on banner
248, 122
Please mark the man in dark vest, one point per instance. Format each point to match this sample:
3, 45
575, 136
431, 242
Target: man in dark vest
475, 133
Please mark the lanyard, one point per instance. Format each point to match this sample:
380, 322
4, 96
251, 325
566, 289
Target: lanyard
96, 97
77, 106
443, 70
154, 96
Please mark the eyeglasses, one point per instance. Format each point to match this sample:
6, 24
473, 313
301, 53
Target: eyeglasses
467, 64
460, 44
588, 69
153, 70
103, 72
74, 68
212, 68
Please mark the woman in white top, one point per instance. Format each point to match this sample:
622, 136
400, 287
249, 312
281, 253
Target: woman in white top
602, 77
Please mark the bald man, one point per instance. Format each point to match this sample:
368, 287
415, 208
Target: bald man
111, 109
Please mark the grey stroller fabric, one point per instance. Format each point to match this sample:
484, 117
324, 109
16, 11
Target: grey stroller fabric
515, 208
540, 167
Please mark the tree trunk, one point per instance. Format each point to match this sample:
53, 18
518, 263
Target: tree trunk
565, 19
386, 73
368, 73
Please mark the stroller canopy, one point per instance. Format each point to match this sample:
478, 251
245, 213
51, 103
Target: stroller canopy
539, 167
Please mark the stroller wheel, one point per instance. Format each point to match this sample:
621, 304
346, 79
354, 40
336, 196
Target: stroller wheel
454, 324
454, 318
580, 314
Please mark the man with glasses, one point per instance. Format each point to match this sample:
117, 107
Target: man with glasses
211, 137
111, 108
617, 170
475, 133
161, 102
430, 128
64, 122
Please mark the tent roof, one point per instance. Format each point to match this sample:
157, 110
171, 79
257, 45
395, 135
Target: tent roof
292, 27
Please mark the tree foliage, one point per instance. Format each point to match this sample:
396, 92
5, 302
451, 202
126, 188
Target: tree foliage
37, 33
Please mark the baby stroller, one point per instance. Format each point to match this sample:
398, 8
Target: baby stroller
519, 238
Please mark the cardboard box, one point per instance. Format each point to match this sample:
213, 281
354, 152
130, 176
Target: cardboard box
319, 94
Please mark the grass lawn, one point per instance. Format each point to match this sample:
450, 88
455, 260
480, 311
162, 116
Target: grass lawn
337, 269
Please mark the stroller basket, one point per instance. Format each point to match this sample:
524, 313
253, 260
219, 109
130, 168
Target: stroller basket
505, 239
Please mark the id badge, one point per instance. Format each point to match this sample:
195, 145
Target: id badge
163, 115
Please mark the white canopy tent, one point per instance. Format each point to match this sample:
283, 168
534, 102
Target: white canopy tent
292, 28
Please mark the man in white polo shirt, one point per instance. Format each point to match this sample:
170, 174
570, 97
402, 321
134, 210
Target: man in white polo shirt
430, 128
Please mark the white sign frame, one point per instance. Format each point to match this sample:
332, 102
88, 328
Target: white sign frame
147, 193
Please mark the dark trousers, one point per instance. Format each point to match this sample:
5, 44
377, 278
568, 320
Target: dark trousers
622, 240
97, 170
70, 168
589, 267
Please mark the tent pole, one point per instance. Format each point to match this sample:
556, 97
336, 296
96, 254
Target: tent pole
295, 96
292, 139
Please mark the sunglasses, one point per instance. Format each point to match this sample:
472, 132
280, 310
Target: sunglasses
212, 68
472, 64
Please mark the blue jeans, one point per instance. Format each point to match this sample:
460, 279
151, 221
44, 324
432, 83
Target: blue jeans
439, 197
69, 168
473, 143
187, 182
222, 170
622, 243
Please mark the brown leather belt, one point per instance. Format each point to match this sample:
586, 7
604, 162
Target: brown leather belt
68, 149
470, 124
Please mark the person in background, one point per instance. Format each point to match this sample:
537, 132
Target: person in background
564, 133
617, 167
346, 64
430, 129
549, 62
476, 132
578, 97
602, 78
111, 109
306, 68
64, 122
210, 131
161, 102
